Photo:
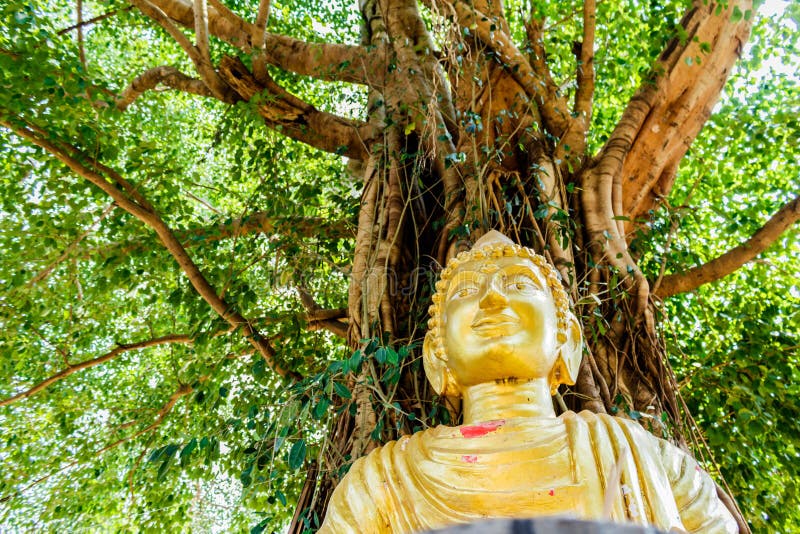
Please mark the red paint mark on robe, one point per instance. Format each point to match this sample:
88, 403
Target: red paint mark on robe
481, 429
552, 492
470, 458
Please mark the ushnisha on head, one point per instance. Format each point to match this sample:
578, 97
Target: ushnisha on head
509, 319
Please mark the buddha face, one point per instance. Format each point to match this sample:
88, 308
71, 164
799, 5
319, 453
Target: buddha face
499, 322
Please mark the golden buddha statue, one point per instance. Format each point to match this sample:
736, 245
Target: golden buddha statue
501, 336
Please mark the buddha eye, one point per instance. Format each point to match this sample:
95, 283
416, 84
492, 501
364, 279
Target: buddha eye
466, 291
521, 284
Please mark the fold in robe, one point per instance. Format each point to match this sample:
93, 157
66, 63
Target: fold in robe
586, 465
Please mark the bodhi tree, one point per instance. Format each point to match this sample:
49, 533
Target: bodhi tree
221, 221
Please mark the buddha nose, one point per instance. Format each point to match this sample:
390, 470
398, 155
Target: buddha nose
493, 297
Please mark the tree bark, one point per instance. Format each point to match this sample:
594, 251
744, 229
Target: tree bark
735, 258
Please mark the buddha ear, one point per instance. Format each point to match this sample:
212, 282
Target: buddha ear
570, 354
436, 369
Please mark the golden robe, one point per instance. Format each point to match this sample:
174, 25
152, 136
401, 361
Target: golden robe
525, 468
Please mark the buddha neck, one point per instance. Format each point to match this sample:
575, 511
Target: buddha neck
507, 399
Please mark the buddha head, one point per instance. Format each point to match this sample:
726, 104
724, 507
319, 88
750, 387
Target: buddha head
500, 313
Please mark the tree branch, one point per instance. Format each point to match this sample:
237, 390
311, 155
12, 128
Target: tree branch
318, 317
92, 20
265, 223
324, 314
538, 56
259, 222
296, 118
9, 53
199, 55
201, 30
64, 353
225, 12
260, 39
330, 319
133, 469
327, 61
81, 48
553, 108
44, 273
734, 258
332, 62
233, 31
333, 326
123, 193
585, 91
163, 19
115, 186
260, 26
120, 349
671, 106
182, 391
169, 76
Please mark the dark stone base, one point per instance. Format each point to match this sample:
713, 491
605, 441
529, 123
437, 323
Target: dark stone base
546, 525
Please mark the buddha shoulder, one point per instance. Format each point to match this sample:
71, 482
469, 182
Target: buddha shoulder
360, 499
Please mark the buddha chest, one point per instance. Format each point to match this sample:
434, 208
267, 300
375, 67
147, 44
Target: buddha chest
501, 468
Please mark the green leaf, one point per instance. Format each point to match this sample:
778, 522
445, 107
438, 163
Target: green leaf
403, 352
297, 454
391, 356
342, 390
187, 451
260, 527
259, 368
156, 454
321, 407
246, 476
354, 363
163, 468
